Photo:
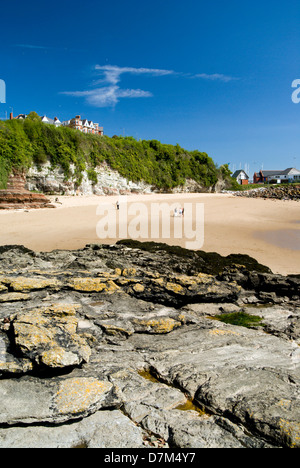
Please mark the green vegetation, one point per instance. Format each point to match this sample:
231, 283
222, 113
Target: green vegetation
234, 185
242, 188
23, 143
241, 319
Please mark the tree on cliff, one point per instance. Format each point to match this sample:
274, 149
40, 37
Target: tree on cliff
33, 116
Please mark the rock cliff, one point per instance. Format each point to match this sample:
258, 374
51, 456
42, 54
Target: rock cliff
133, 337
109, 182
17, 197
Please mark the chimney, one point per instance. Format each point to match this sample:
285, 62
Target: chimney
11, 116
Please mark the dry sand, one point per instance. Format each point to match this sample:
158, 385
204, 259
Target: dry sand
267, 230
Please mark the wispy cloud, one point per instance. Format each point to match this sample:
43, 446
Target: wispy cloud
215, 77
112, 73
108, 96
31, 46
110, 93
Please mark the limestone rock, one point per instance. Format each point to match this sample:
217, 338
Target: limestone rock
90, 432
127, 338
29, 401
48, 337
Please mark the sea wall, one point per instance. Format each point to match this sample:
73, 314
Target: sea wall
281, 192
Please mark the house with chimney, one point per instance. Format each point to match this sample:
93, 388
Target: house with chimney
84, 125
19, 117
56, 122
290, 175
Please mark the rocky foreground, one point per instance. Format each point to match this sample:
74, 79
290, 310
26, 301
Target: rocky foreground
123, 347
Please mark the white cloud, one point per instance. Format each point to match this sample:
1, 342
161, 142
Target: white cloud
108, 96
112, 73
133, 93
110, 93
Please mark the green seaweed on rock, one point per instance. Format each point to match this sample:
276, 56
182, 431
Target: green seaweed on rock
241, 319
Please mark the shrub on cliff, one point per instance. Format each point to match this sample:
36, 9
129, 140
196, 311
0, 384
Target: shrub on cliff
23, 143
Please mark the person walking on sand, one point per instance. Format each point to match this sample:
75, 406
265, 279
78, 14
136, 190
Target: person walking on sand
117, 205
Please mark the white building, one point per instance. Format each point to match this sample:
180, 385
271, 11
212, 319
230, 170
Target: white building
241, 177
84, 125
290, 175
54, 121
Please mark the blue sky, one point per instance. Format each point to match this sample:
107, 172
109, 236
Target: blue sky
214, 76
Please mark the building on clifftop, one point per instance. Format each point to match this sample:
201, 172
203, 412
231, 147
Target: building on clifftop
84, 125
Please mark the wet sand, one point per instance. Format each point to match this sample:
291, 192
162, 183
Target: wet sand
267, 230
282, 238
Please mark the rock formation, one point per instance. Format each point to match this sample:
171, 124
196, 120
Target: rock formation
283, 192
52, 181
132, 337
49, 180
17, 197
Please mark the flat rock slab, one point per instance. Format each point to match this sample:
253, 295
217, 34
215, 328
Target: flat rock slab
250, 375
90, 432
29, 400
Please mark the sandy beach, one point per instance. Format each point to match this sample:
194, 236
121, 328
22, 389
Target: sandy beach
267, 230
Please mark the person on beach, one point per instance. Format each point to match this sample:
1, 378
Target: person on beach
117, 205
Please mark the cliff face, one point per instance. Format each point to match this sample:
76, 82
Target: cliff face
109, 182
132, 337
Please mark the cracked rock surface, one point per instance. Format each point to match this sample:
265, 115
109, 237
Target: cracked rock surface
122, 347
